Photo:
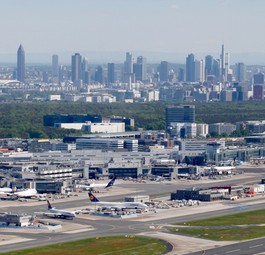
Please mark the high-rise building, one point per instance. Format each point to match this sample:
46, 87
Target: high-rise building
111, 73
190, 72
258, 86
217, 69
21, 64
139, 69
198, 70
181, 74
55, 68
99, 75
61, 73
258, 78
182, 114
208, 66
227, 60
222, 68
76, 67
163, 71
240, 72
128, 75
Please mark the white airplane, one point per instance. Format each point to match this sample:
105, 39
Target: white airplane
117, 205
56, 213
92, 186
27, 193
5, 190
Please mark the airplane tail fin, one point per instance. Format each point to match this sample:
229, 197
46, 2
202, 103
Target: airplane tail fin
92, 198
49, 205
111, 182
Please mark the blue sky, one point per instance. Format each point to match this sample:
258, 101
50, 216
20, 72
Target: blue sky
170, 26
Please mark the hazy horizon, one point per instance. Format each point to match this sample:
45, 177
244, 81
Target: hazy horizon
119, 57
165, 28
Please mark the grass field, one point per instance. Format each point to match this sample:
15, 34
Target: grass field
118, 245
252, 217
226, 228
224, 234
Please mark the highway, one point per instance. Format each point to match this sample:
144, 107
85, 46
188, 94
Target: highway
107, 227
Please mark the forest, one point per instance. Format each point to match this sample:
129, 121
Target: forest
25, 120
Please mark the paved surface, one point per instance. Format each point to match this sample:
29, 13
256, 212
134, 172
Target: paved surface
151, 224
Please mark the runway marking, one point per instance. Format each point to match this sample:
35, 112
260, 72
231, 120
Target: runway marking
254, 246
78, 231
233, 251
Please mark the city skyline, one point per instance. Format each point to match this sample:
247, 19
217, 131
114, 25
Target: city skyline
164, 30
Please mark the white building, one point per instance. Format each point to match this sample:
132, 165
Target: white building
104, 127
202, 130
179, 129
82, 143
54, 97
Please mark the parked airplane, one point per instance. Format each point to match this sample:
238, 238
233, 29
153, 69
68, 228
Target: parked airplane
117, 205
27, 193
56, 213
92, 186
5, 190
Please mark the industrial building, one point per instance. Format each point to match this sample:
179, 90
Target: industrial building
18, 220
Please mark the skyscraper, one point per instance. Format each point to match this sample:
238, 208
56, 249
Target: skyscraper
55, 68
84, 70
240, 72
190, 71
222, 71
128, 76
258, 86
208, 66
99, 75
139, 69
163, 71
111, 72
198, 70
76, 67
21, 64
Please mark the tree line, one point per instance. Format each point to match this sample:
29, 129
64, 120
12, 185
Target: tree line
25, 120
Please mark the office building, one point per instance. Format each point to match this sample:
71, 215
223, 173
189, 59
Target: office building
222, 73
182, 130
99, 75
84, 71
208, 66
139, 69
258, 86
76, 67
222, 128
128, 75
258, 78
198, 70
240, 72
21, 64
111, 73
182, 114
163, 71
190, 68
181, 75
55, 68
